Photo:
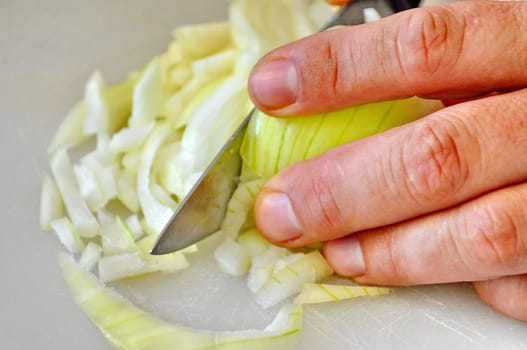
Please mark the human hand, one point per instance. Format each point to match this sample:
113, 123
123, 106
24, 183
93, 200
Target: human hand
442, 199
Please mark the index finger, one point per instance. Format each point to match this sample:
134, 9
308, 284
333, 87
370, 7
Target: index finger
448, 51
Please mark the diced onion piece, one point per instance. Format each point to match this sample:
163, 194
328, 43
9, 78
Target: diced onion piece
116, 238
103, 153
77, 209
174, 54
290, 279
262, 267
134, 226
119, 100
175, 172
130, 139
286, 261
149, 230
179, 75
127, 191
320, 293
253, 241
146, 243
155, 213
96, 109
107, 108
88, 187
105, 175
148, 95
128, 327
51, 204
240, 207
90, 256
67, 235
126, 265
140, 262
131, 162
163, 197
172, 180
70, 132
216, 65
200, 40
169, 263
190, 249
232, 258
165, 155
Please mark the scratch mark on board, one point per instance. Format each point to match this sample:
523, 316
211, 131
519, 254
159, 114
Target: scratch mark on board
457, 328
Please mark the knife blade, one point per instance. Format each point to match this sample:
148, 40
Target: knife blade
202, 211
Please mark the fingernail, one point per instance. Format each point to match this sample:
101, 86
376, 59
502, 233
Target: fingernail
277, 218
347, 257
274, 85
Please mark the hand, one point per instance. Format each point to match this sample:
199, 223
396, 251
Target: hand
442, 199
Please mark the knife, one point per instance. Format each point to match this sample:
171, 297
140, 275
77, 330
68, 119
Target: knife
202, 211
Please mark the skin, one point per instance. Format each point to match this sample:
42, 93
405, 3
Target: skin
443, 199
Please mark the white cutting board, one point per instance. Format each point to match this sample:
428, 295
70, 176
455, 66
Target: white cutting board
47, 51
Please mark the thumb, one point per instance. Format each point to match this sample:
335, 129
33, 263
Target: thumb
308, 202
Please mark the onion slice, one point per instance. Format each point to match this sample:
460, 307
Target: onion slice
156, 214
313, 293
78, 211
51, 204
128, 327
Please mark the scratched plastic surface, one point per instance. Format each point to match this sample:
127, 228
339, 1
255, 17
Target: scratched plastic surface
435, 317
48, 49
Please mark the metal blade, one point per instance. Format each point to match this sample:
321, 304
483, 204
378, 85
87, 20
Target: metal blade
203, 209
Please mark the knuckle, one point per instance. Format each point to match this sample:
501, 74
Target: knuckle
395, 261
496, 242
429, 40
334, 62
324, 213
339, 66
431, 164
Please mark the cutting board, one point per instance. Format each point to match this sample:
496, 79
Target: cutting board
47, 51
